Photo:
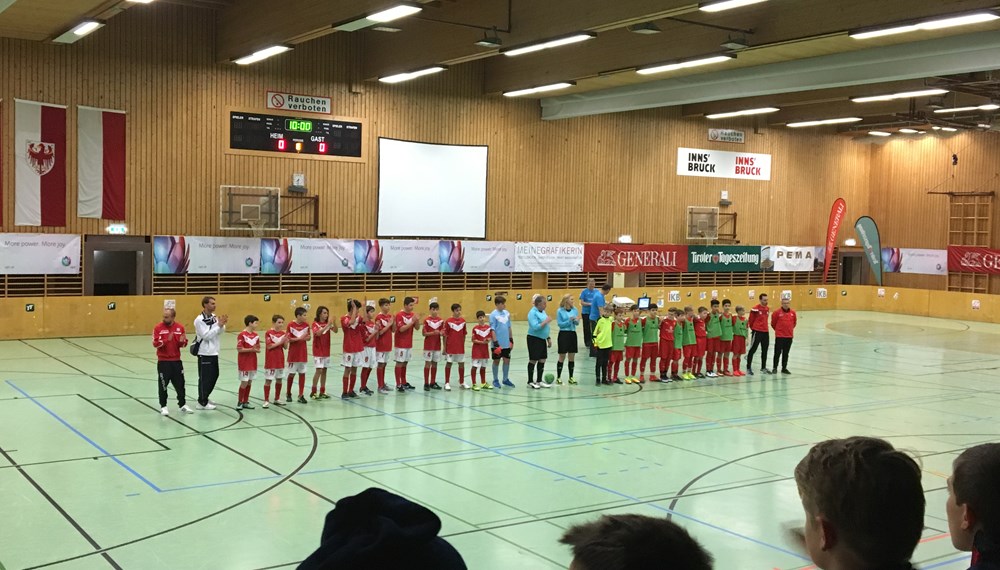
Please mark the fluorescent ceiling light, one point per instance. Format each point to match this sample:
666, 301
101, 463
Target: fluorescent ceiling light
760, 111
261, 55
727, 5
909, 131
685, 64
79, 31
903, 95
879, 134
412, 74
394, 13
983, 126
542, 89
935, 24
949, 129
824, 122
140, 1
555, 42
986, 107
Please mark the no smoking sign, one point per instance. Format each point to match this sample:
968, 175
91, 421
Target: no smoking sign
277, 100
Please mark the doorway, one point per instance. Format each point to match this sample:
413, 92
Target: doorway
117, 265
853, 268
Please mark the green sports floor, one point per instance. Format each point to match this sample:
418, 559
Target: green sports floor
91, 476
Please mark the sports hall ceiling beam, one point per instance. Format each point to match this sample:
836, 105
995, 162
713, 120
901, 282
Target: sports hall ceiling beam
421, 43
774, 24
250, 25
805, 98
942, 56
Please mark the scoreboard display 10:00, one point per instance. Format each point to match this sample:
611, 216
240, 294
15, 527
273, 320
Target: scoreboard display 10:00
281, 134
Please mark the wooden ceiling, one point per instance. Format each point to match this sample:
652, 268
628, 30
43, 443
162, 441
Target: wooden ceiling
445, 32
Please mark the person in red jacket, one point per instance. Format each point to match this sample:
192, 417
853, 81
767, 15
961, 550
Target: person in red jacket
169, 339
783, 322
761, 335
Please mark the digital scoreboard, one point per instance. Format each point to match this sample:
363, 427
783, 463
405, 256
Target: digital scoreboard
282, 134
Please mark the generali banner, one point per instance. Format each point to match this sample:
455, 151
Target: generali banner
628, 258
969, 259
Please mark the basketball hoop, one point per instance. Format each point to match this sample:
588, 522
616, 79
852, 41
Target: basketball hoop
256, 227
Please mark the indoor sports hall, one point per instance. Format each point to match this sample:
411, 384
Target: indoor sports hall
525, 266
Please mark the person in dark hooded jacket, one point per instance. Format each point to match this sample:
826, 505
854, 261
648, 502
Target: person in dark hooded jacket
974, 505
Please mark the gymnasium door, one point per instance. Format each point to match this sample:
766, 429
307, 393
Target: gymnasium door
854, 268
117, 265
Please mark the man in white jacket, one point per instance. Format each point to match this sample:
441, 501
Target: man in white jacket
208, 329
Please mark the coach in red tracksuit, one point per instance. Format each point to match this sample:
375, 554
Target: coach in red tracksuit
169, 338
761, 336
783, 322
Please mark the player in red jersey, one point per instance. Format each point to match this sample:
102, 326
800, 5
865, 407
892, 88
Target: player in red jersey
482, 336
298, 353
369, 360
701, 337
274, 359
247, 348
383, 343
455, 332
433, 331
354, 347
403, 339
666, 348
169, 338
321, 328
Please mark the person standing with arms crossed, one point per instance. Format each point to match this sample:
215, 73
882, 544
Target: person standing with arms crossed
169, 339
208, 328
783, 322
567, 317
757, 323
586, 296
538, 342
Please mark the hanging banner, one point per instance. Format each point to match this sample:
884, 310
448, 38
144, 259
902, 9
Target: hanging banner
972, 259
722, 164
395, 256
791, 258
922, 261
191, 254
723, 258
39, 254
832, 229
867, 232
545, 257
630, 258
476, 256
303, 255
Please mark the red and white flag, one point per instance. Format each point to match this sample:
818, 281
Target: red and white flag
40, 164
101, 163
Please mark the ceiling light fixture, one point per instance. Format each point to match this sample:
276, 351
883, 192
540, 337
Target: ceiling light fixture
662, 68
984, 126
743, 113
80, 30
949, 129
261, 55
550, 43
645, 28
140, 1
387, 29
986, 107
933, 24
903, 95
824, 122
879, 134
406, 76
490, 40
726, 5
909, 131
541, 89
400, 10
735, 44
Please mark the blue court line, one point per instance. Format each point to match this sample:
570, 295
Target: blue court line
589, 484
85, 438
963, 558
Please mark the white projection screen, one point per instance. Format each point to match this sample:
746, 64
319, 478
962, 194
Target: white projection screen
431, 190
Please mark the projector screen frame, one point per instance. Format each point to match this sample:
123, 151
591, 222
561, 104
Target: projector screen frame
378, 191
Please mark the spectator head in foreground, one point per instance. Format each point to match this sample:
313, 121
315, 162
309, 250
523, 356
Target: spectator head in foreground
377, 530
634, 542
863, 502
974, 504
